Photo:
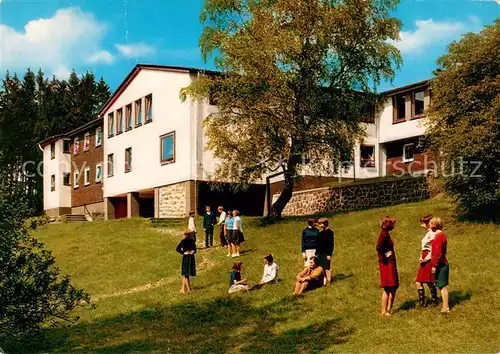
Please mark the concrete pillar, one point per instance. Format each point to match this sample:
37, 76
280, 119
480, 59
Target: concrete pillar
382, 161
109, 209
157, 202
132, 205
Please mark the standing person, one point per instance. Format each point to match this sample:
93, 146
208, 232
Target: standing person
228, 232
208, 225
439, 262
310, 278
237, 233
270, 270
187, 247
191, 225
389, 279
310, 237
326, 245
235, 282
222, 219
424, 274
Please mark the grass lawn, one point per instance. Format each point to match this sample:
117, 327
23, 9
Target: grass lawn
132, 272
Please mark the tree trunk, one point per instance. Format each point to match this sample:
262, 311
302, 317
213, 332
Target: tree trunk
284, 198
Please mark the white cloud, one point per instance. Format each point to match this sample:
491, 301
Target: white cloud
66, 40
61, 72
101, 56
430, 32
136, 50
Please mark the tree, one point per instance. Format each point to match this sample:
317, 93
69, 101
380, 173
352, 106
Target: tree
464, 125
296, 78
32, 293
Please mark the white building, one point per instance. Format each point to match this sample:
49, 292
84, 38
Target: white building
155, 163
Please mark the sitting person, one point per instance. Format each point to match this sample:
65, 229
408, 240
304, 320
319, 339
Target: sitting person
236, 284
270, 270
310, 278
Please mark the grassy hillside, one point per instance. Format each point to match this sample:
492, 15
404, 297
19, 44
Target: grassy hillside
132, 271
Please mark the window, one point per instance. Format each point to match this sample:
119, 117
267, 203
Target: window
86, 142
111, 125
76, 177
367, 154
52, 183
86, 176
149, 108
167, 146
138, 112
111, 165
66, 178
399, 105
66, 146
98, 173
98, 137
418, 103
408, 151
128, 159
76, 146
128, 116
52, 151
119, 121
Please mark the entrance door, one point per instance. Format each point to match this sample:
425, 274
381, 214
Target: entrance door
120, 208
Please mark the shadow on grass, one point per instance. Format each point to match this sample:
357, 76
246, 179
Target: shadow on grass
216, 326
457, 297
408, 305
341, 276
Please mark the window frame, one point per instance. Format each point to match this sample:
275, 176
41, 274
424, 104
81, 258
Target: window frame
395, 110
76, 178
52, 183
361, 165
404, 158
111, 124
69, 178
128, 117
110, 171
76, 146
148, 118
86, 182
86, 142
66, 146
413, 114
98, 142
138, 112
97, 167
170, 160
128, 159
52, 151
119, 119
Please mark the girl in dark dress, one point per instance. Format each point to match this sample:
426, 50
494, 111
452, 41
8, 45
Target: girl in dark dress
389, 280
187, 247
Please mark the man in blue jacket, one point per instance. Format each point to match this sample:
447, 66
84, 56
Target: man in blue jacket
209, 220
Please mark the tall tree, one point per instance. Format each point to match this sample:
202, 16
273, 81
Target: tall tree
464, 124
296, 78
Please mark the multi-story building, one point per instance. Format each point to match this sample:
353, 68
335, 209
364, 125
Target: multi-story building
151, 159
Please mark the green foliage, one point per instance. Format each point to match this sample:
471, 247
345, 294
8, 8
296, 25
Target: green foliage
32, 293
32, 109
297, 78
464, 124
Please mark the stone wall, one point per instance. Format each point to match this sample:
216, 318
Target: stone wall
357, 196
176, 200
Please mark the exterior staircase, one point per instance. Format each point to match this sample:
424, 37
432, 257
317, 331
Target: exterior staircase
75, 217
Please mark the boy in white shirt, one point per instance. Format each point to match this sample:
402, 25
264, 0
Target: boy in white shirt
222, 219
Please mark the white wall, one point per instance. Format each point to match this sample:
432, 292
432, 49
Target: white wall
387, 131
169, 114
61, 196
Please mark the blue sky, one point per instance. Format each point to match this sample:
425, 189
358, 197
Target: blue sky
109, 37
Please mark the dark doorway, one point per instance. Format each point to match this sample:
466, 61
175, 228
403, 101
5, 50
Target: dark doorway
120, 207
147, 207
249, 202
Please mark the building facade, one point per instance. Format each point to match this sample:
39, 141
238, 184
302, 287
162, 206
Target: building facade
145, 156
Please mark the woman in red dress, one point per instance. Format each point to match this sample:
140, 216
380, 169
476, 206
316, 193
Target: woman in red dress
389, 280
424, 274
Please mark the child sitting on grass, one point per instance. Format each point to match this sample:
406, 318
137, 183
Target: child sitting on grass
237, 284
270, 270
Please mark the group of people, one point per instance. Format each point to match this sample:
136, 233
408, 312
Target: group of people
230, 229
433, 268
317, 246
